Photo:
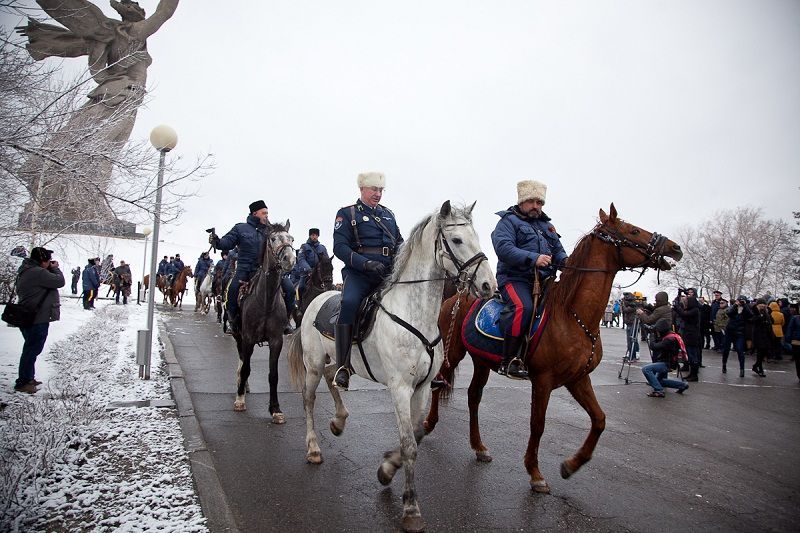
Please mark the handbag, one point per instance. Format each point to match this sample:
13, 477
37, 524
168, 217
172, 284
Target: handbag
21, 316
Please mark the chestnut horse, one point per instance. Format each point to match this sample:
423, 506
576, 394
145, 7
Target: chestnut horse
570, 347
175, 292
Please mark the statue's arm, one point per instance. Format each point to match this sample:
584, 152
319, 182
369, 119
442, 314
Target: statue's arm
81, 17
164, 11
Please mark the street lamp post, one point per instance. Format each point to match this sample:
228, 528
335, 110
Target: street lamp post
146, 231
163, 139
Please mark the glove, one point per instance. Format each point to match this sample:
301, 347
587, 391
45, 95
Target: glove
213, 240
375, 266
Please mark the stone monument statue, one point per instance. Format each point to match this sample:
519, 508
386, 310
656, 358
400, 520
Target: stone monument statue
118, 61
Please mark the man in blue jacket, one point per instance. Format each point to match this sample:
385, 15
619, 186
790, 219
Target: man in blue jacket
91, 283
524, 239
308, 258
249, 236
204, 264
365, 239
162, 267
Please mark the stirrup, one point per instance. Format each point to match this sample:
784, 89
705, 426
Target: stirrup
516, 373
345, 385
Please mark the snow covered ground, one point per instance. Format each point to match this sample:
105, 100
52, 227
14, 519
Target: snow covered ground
67, 461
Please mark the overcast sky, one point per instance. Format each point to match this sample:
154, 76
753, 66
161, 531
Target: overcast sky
670, 109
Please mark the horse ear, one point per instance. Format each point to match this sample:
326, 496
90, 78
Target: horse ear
445, 210
603, 217
287, 224
470, 208
613, 212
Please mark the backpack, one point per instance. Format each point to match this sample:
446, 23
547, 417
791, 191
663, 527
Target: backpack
680, 356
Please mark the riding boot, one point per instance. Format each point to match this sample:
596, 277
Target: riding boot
297, 316
344, 342
511, 365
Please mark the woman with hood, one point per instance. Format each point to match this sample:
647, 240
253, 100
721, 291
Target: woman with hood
778, 325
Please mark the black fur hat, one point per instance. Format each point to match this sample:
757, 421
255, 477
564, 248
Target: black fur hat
258, 204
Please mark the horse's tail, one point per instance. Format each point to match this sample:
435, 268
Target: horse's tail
297, 368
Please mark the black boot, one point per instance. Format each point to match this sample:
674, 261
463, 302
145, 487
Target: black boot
693, 368
344, 342
511, 365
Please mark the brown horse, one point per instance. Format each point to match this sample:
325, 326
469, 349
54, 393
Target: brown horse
569, 350
175, 292
161, 283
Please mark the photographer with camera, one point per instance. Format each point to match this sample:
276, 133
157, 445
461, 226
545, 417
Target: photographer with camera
687, 309
661, 310
38, 281
739, 314
631, 323
664, 349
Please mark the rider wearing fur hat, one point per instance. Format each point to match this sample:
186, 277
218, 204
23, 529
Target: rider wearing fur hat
249, 236
365, 239
524, 239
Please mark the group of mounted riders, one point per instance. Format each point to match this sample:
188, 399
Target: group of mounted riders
366, 238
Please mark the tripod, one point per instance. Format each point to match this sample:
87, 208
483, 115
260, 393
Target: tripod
630, 352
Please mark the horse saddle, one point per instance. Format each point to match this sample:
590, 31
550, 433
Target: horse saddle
481, 332
328, 314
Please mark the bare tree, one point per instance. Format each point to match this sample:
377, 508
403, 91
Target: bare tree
36, 105
736, 251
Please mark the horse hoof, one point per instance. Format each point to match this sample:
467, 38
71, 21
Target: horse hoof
335, 429
566, 471
239, 406
413, 524
540, 486
315, 458
278, 418
383, 477
483, 457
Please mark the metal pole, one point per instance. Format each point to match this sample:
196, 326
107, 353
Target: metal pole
144, 371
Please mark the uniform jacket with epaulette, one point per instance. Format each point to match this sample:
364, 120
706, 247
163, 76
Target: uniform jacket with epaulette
358, 227
519, 241
307, 258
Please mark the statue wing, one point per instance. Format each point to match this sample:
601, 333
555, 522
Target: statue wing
81, 17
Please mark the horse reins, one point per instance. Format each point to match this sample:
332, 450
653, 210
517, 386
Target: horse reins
462, 280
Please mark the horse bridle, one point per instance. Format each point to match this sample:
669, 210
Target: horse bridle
462, 279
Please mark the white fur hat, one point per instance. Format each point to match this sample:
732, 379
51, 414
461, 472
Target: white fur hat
371, 179
531, 190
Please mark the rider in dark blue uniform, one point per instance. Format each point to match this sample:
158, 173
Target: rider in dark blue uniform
524, 239
308, 258
249, 236
365, 239
204, 264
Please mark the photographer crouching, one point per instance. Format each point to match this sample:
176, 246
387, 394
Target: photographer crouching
664, 349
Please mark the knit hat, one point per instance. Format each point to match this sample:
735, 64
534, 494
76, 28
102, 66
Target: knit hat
371, 179
761, 301
531, 190
257, 205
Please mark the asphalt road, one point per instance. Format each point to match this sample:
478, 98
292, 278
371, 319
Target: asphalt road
722, 457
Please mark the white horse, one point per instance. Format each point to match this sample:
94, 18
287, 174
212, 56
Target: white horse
442, 245
204, 295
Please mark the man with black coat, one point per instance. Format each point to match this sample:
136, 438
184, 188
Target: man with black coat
38, 281
688, 310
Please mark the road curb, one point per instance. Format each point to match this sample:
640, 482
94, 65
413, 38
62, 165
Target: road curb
206, 479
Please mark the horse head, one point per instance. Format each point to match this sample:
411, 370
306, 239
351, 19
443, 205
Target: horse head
281, 243
459, 251
636, 247
322, 276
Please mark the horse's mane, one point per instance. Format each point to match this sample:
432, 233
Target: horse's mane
414, 238
562, 294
